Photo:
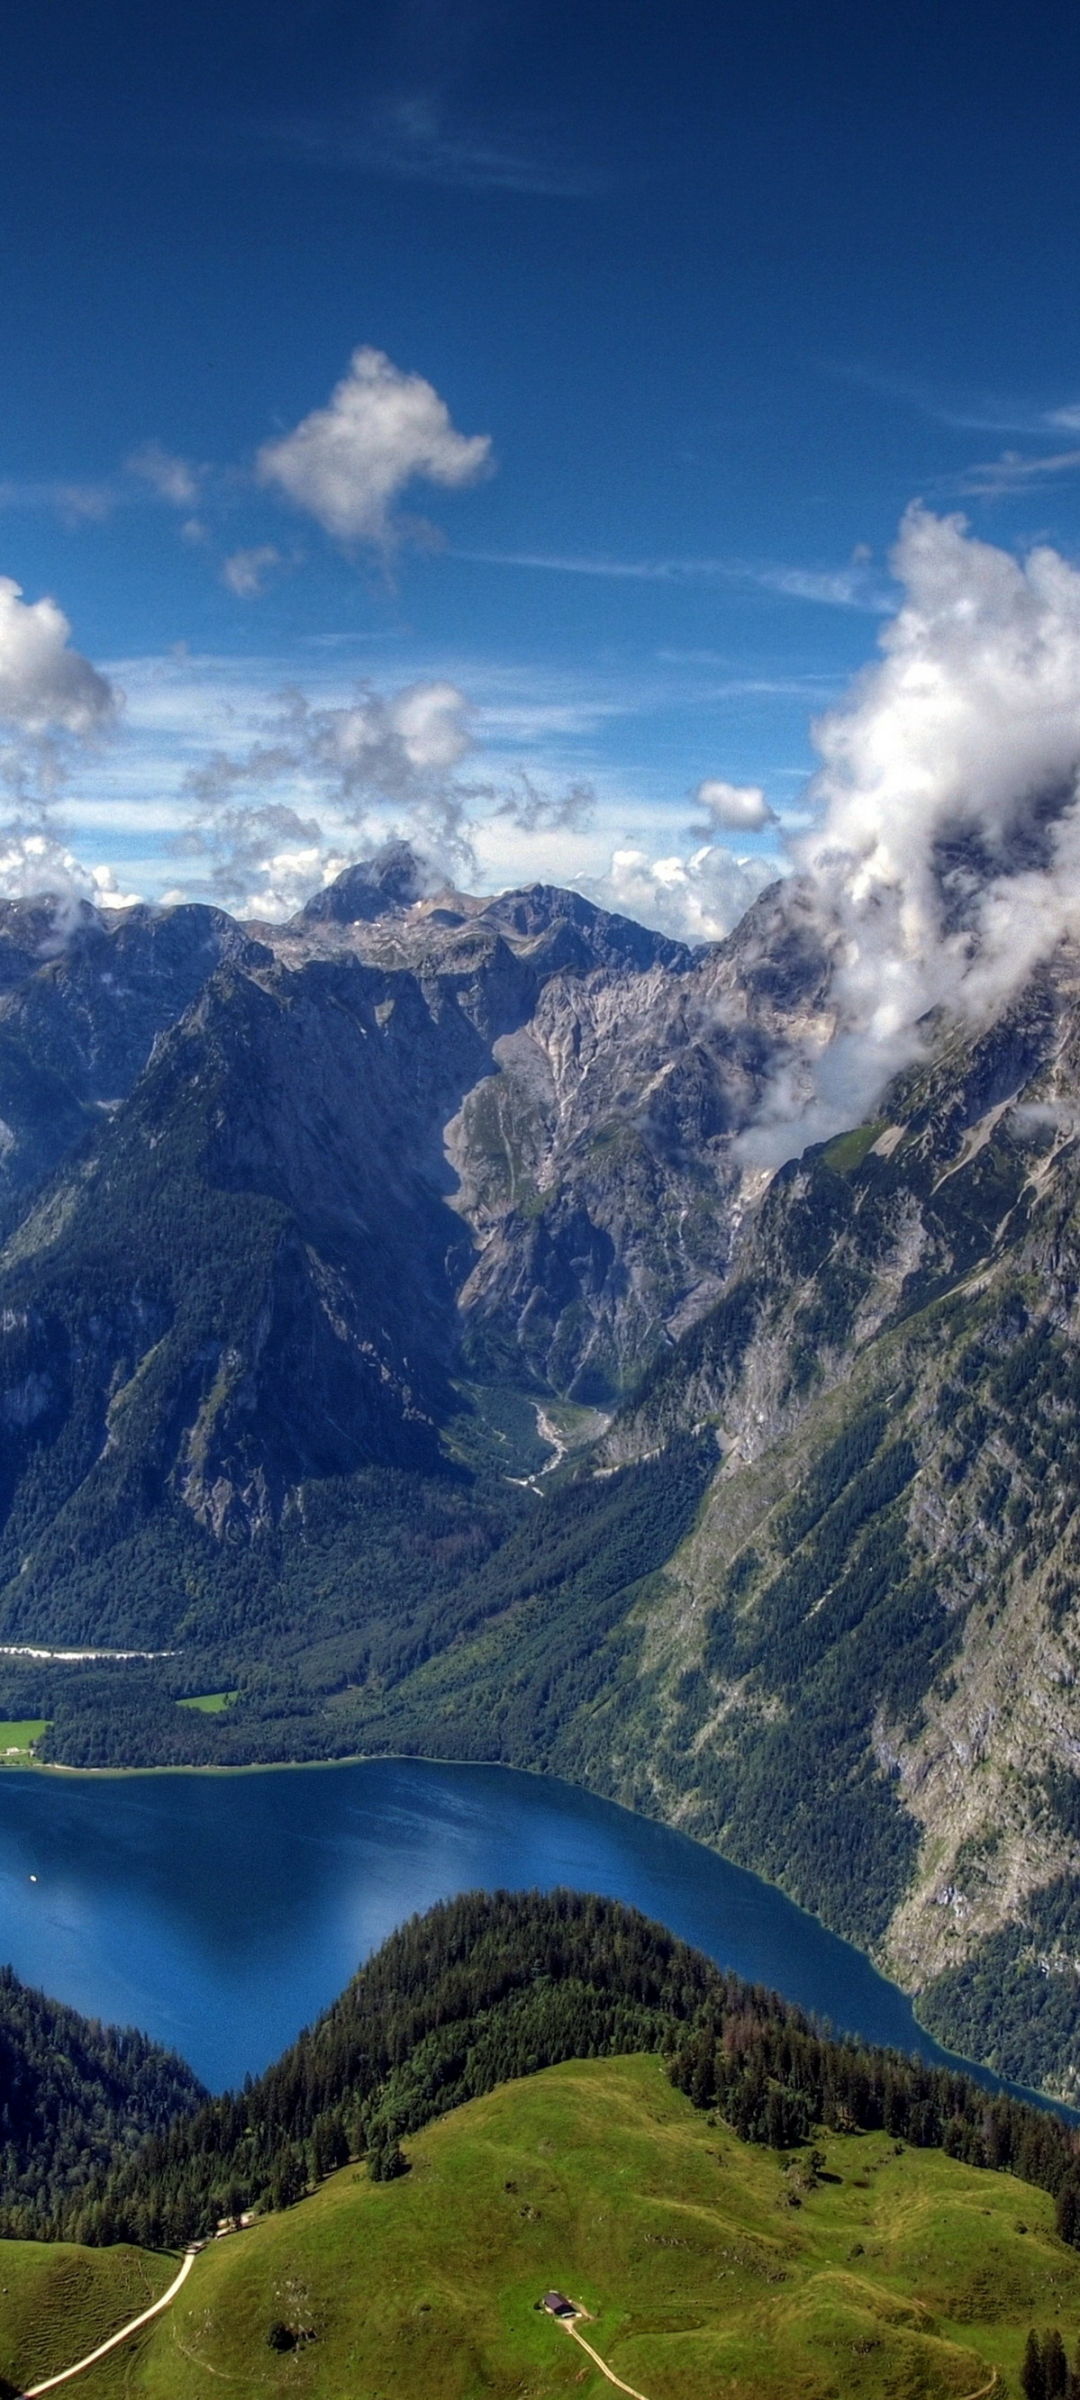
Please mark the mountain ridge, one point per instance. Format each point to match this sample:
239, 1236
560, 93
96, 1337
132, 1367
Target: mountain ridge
434, 1216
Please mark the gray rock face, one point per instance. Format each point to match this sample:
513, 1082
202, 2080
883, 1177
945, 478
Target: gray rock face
77, 1027
273, 1196
498, 1136
483, 1136
372, 889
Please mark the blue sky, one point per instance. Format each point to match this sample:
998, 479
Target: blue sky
706, 295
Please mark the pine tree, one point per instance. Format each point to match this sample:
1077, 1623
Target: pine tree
1032, 2377
1055, 2366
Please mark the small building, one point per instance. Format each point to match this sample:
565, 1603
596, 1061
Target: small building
557, 2305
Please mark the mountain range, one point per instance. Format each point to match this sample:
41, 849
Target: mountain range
400, 1331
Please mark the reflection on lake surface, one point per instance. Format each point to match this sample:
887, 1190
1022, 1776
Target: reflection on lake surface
223, 1912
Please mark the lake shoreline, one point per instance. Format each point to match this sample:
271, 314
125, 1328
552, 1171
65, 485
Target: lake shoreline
209, 1773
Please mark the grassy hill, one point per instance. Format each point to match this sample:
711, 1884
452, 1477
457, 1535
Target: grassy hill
709, 2267
57, 2302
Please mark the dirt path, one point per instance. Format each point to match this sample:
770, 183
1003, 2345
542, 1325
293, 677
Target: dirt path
983, 2393
81, 2364
575, 2336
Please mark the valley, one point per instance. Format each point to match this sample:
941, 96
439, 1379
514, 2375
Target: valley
316, 1233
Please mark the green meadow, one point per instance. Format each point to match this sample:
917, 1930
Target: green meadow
707, 2267
57, 2302
17, 1737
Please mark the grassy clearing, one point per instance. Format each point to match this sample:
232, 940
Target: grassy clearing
17, 1738
57, 2302
849, 1149
900, 2276
209, 1704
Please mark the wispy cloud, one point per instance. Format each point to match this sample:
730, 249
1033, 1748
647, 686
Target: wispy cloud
246, 572
843, 587
970, 412
171, 478
997, 478
412, 137
150, 473
73, 502
854, 586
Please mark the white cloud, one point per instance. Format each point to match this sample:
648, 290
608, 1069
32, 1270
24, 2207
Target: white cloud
108, 893
430, 721
347, 463
1014, 471
329, 784
173, 479
32, 863
854, 586
946, 857
734, 807
695, 899
841, 587
246, 572
949, 777
46, 687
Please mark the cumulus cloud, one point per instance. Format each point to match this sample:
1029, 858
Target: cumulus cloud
695, 899
347, 463
945, 860
327, 785
46, 687
733, 807
245, 573
52, 702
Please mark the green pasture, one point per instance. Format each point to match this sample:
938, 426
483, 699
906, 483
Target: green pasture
209, 1704
17, 1737
709, 2268
57, 2302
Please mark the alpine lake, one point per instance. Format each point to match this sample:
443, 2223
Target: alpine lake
221, 1912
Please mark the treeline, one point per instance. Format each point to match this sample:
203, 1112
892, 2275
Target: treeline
493, 1986
74, 2096
775, 2080
481, 1989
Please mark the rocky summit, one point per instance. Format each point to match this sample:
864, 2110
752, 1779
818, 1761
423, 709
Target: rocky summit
399, 1329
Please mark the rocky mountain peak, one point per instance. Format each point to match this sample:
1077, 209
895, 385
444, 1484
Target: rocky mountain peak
375, 887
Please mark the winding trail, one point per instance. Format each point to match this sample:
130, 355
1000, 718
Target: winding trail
92, 2356
575, 2336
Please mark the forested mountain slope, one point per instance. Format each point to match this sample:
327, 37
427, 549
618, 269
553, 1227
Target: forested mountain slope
493, 1986
75, 2096
413, 1347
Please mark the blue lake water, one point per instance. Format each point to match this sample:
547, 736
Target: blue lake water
222, 1912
